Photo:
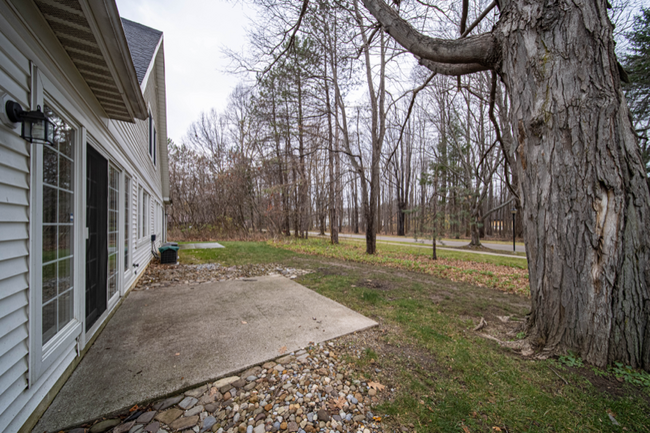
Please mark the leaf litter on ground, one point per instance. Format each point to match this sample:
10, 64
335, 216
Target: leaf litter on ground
499, 277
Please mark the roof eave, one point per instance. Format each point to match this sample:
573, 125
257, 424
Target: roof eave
111, 35
152, 63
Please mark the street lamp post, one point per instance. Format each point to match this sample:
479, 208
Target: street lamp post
514, 211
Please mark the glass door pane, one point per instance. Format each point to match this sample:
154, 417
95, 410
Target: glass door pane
58, 198
113, 227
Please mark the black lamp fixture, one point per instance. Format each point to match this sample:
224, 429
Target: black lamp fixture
35, 125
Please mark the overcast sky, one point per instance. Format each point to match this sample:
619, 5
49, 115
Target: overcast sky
194, 33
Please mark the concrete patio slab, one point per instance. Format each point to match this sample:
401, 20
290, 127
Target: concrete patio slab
168, 339
200, 246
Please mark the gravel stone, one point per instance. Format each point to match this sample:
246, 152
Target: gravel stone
168, 403
188, 402
103, 426
153, 427
183, 423
123, 428
208, 423
146, 417
169, 415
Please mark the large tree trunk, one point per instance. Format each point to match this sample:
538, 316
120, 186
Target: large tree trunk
334, 232
583, 189
476, 221
401, 216
585, 197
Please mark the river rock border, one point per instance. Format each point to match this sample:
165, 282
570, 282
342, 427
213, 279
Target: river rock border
312, 390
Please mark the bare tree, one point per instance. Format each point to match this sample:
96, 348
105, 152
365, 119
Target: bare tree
584, 196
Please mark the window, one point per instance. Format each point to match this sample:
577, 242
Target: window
113, 228
145, 213
140, 212
57, 300
127, 216
152, 139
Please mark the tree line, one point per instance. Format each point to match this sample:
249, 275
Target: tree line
330, 139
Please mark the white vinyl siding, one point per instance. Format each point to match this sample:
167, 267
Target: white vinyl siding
14, 238
29, 371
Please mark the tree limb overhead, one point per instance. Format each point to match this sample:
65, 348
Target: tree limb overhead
479, 49
453, 69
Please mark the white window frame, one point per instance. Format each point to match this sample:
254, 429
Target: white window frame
139, 213
144, 214
112, 300
152, 138
42, 356
128, 219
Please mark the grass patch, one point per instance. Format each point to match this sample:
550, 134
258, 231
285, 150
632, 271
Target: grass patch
514, 261
235, 253
496, 272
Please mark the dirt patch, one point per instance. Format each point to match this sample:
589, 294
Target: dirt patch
389, 356
438, 297
610, 385
331, 270
376, 285
158, 275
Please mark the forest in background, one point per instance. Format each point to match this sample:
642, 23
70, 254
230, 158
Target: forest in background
340, 128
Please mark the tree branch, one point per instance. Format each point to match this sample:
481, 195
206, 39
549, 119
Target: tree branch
478, 20
292, 39
408, 113
501, 206
453, 69
480, 49
463, 17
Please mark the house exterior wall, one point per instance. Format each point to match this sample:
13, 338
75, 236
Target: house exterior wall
35, 70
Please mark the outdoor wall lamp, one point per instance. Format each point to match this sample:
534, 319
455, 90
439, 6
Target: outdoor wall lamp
35, 126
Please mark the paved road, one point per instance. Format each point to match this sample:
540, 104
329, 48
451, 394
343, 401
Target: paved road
494, 246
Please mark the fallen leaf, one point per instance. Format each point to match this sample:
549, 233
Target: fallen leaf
177, 353
213, 390
243, 322
495, 428
134, 408
376, 385
377, 418
466, 430
283, 349
339, 403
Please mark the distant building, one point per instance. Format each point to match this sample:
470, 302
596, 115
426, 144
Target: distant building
76, 215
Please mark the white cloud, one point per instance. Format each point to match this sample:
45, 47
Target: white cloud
195, 32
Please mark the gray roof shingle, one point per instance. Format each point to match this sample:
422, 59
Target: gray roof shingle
142, 42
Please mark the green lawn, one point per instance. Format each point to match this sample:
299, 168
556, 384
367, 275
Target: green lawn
446, 377
425, 251
236, 253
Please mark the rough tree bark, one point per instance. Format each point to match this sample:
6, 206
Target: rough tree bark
584, 194
329, 57
377, 130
